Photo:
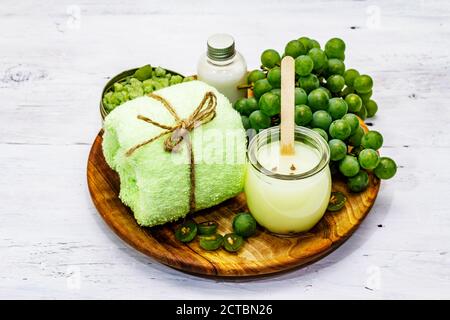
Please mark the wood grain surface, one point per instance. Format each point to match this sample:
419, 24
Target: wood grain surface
262, 254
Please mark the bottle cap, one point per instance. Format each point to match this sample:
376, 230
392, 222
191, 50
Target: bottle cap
221, 47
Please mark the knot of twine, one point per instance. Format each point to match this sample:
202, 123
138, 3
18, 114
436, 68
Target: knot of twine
205, 112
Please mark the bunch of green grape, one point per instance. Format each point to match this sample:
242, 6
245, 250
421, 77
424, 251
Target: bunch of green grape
328, 99
145, 80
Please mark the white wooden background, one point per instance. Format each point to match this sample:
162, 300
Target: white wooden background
55, 57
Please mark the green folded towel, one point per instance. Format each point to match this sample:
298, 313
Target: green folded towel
155, 183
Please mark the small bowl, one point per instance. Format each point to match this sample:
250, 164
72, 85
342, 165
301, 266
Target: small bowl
119, 77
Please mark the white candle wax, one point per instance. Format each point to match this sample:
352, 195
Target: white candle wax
287, 206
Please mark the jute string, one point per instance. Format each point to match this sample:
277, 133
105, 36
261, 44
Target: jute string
205, 112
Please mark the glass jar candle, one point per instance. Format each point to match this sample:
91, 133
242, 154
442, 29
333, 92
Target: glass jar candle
288, 195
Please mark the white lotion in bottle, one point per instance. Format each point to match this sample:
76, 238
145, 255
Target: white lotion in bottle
223, 67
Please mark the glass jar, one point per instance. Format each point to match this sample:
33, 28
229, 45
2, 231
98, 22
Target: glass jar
223, 67
288, 195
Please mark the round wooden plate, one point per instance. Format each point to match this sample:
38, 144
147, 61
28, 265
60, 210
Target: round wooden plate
262, 254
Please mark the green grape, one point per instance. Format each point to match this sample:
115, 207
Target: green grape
259, 120
274, 77
352, 121
318, 100
318, 57
270, 104
350, 75
294, 48
362, 113
260, 87
240, 105
371, 108
270, 58
251, 104
245, 122
277, 91
335, 66
303, 65
372, 140
335, 83
315, 44
355, 139
337, 108
322, 133
160, 72
338, 149
368, 159
346, 91
321, 119
255, 75
303, 115
359, 182
307, 43
300, 96
363, 83
326, 91
349, 166
309, 83
386, 169
354, 102
335, 48
365, 96
340, 129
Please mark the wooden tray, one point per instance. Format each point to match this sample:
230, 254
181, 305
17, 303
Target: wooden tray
262, 254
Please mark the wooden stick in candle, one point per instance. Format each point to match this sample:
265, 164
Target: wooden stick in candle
287, 126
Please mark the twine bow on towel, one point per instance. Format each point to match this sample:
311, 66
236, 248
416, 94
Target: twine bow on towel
205, 112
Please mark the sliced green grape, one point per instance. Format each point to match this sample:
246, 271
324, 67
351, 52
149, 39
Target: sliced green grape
309, 82
386, 169
337, 201
318, 57
270, 58
294, 48
350, 75
270, 104
372, 140
368, 159
187, 231
340, 129
352, 121
303, 115
259, 120
354, 102
371, 108
321, 119
335, 83
254, 76
338, 149
363, 83
303, 65
260, 87
358, 182
349, 166
232, 242
318, 100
